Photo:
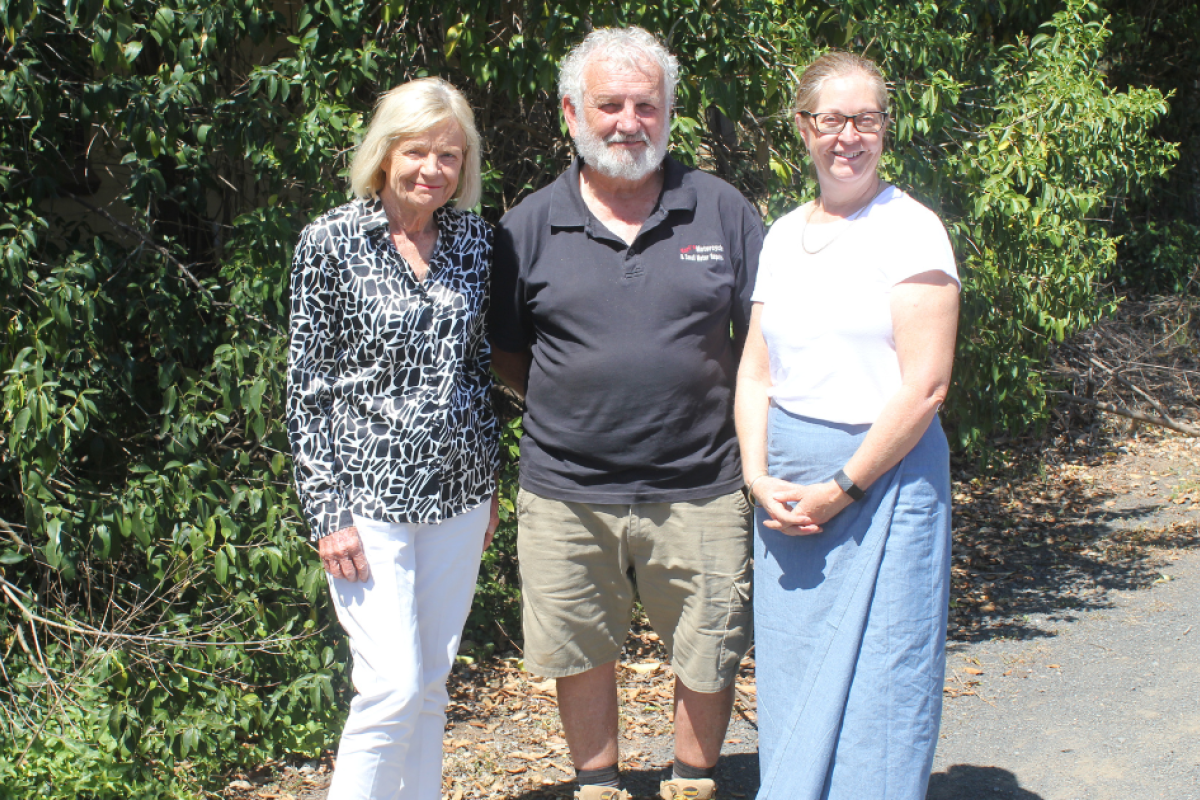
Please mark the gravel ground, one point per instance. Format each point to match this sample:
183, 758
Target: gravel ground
1073, 667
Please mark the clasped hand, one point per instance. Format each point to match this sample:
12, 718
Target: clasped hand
796, 509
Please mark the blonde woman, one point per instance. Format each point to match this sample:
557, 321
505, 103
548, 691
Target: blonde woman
392, 431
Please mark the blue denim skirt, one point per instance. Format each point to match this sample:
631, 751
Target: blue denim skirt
850, 624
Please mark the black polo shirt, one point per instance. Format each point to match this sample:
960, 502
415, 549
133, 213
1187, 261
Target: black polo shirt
630, 395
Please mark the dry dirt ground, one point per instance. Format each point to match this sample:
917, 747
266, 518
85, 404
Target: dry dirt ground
1045, 546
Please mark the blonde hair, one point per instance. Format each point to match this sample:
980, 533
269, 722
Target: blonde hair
837, 64
406, 112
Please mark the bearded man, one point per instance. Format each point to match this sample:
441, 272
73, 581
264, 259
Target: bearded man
621, 298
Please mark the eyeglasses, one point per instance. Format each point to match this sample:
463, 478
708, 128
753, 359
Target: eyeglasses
830, 122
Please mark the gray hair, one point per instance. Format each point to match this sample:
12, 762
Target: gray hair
837, 64
406, 112
631, 47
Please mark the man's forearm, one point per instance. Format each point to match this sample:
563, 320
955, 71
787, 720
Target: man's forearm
512, 369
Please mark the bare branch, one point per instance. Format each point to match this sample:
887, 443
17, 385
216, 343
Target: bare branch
1131, 414
87, 630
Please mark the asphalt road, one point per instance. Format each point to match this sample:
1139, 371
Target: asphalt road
1085, 705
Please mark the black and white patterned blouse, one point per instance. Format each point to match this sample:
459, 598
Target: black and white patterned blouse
389, 411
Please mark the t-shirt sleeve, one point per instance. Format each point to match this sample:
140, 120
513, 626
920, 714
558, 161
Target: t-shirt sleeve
925, 246
747, 272
509, 326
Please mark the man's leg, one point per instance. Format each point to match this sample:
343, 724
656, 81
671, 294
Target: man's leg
576, 600
693, 572
587, 703
701, 720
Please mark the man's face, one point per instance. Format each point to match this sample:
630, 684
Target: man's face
624, 125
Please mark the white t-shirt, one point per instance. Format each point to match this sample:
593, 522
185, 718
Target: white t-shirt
827, 317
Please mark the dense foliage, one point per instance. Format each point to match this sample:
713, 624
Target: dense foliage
162, 617
1155, 45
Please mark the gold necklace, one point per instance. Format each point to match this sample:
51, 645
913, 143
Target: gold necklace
853, 219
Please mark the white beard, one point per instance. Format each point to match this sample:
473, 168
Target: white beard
618, 162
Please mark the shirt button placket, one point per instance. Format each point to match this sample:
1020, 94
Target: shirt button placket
436, 380
427, 358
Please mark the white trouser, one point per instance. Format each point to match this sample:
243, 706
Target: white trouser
404, 624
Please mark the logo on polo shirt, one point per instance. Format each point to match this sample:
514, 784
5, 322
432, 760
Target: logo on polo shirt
702, 252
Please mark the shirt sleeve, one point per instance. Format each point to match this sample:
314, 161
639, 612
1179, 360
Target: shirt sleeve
482, 363
311, 374
509, 326
746, 269
925, 246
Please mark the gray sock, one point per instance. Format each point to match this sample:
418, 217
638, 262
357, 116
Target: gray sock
682, 770
605, 776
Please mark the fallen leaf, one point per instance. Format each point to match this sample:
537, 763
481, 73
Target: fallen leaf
645, 668
548, 686
972, 671
529, 756
517, 770
1055, 666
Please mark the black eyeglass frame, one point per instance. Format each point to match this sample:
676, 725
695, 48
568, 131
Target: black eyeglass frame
848, 118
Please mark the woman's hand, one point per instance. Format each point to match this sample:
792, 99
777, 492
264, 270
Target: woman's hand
772, 494
814, 504
799, 510
493, 521
343, 556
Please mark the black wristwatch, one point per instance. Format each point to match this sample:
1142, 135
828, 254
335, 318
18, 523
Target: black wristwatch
848, 486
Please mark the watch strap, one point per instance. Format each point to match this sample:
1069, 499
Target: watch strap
848, 486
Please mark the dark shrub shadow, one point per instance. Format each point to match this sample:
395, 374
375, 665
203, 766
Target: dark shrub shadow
969, 782
1058, 569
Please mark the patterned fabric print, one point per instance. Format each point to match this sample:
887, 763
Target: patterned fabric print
389, 411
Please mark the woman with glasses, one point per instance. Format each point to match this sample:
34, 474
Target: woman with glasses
847, 362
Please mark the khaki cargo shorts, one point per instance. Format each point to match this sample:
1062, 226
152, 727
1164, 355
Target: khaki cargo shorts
691, 562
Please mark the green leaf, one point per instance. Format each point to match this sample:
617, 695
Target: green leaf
221, 567
12, 557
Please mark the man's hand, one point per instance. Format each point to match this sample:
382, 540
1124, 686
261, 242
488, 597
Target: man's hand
342, 555
493, 521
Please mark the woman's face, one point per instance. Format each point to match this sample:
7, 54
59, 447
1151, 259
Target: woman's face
421, 174
846, 160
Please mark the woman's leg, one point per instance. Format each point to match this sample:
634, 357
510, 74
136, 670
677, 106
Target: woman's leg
447, 566
404, 626
380, 617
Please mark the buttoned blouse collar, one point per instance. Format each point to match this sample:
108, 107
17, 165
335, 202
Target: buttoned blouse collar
373, 223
